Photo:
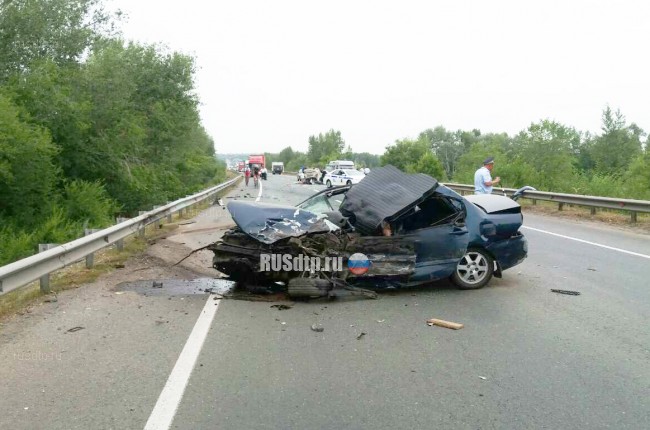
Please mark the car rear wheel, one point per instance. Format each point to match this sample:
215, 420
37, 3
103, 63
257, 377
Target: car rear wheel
329, 184
348, 183
474, 270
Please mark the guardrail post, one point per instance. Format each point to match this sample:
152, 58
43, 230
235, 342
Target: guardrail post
45, 279
560, 206
633, 217
120, 243
593, 211
141, 232
160, 224
170, 216
534, 202
90, 258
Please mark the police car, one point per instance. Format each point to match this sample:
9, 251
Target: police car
343, 177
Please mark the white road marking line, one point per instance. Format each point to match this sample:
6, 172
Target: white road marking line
170, 398
259, 195
589, 243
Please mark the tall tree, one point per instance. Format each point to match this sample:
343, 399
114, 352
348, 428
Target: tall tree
57, 30
446, 145
547, 147
614, 150
413, 156
28, 173
325, 147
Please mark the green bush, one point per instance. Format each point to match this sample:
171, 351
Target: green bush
89, 202
15, 243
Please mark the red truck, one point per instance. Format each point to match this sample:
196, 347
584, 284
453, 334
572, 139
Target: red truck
256, 159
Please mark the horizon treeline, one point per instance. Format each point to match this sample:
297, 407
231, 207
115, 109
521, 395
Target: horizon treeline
90, 126
547, 155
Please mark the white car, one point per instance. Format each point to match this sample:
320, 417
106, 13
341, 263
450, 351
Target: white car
343, 177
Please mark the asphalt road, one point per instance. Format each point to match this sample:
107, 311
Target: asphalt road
526, 358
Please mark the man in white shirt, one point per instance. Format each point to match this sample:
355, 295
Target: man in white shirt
483, 179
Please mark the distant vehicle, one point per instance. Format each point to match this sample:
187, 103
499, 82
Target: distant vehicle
277, 167
310, 176
256, 160
241, 165
340, 164
343, 177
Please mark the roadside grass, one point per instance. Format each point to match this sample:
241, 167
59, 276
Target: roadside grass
106, 260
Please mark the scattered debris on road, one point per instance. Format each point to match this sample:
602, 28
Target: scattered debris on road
51, 299
74, 329
282, 307
567, 292
446, 324
483, 378
317, 328
157, 284
361, 335
186, 222
119, 266
593, 269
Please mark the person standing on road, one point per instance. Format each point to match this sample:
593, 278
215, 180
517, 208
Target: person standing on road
483, 178
247, 174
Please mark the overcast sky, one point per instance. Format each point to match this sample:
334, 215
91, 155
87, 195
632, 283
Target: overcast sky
272, 73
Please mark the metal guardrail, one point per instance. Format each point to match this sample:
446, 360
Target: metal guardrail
595, 202
29, 269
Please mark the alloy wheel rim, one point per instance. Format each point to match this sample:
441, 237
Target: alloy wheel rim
472, 268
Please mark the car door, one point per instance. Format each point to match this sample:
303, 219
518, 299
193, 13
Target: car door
438, 250
441, 244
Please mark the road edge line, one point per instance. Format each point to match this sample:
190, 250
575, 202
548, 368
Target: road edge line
259, 195
164, 411
588, 242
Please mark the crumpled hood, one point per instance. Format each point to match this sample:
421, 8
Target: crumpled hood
270, 223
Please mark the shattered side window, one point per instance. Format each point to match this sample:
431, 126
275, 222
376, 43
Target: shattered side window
335, 201
431, 212
318, 205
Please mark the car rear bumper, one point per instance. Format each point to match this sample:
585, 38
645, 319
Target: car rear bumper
509, 252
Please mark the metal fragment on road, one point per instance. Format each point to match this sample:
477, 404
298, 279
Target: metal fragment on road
282, 307
361, 335
567, 292
317, 328
74, 329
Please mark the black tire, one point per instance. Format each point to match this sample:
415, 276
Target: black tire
474, 270
348, 183
328, 183
308, 288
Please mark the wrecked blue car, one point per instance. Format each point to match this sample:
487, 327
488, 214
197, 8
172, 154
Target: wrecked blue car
410, 229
